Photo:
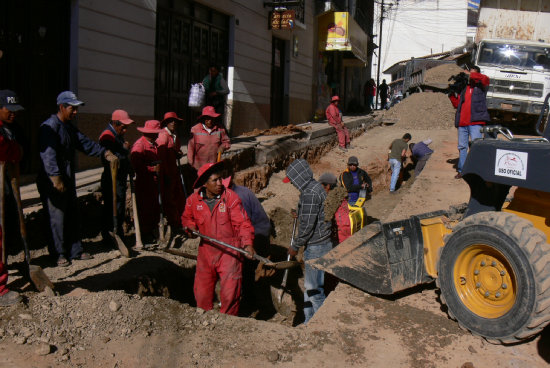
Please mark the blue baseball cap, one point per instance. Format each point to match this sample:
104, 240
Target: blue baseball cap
68, 98
9, 100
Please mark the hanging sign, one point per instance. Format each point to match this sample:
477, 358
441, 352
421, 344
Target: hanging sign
283, 19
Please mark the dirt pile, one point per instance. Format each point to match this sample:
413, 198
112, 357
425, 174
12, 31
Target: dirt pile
72, 322
281, 222
439, 75
286, 129
426, 110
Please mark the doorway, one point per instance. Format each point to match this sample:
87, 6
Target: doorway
190, 38
279, 82
34, 62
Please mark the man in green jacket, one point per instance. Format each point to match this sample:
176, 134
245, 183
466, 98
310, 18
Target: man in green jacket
216, 89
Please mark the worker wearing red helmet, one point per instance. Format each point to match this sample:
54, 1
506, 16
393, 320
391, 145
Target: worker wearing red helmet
145, 162
334, 117
207, 139
217, 212
169, 151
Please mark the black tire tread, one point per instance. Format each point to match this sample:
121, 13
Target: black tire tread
532, 243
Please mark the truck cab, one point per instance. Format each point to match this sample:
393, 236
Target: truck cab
520, 77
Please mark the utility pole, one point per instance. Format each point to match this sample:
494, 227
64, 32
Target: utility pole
379, 53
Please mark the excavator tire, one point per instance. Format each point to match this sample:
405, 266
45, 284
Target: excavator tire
494, 277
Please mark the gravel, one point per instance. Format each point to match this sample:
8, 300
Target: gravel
425, 110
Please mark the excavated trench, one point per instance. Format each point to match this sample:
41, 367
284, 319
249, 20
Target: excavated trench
160, 274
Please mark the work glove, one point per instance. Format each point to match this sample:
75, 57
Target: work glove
110, 156
58, 183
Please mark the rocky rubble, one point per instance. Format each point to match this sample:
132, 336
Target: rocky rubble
423, 110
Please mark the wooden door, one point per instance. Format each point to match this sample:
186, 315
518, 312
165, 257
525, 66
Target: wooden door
190, 38
278, 71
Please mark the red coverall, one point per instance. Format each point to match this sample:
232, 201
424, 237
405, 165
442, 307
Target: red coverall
142, 156
335, 120
9, 152
203, 146
342, 221
173, 198
229, 223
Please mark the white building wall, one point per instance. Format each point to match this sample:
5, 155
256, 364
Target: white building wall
416, 28
116, 56
252, 57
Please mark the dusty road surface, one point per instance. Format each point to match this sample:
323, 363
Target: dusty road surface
116, 312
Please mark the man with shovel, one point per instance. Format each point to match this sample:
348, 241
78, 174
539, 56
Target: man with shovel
169, 151
10, 154
112, 138
314, 232
146, 163
217, 212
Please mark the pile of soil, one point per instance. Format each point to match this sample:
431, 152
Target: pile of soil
439, 75
286, 129
426, 110
281, 222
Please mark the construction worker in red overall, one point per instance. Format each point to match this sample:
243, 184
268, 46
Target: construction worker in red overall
217, 212
10, 153
334, 117
169, 151
112, 138
341, 216
207, 139
146, 163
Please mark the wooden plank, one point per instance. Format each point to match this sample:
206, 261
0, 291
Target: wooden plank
117, 64
115, 82
116, 27
116, 46
105, 102
139, 12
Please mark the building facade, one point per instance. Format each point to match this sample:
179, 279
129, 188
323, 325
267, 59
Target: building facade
143, 56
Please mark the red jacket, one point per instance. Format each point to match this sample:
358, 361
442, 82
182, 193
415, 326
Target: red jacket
227, 222
343, 222
203, 146
10, 151
172, 190
142, 157
333, 115
465, 118
168, 151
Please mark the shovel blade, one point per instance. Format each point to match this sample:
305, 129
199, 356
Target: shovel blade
123, 249
39, 278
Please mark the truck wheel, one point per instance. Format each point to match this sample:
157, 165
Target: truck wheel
494, 276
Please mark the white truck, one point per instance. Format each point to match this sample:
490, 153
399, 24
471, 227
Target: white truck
520, 77
513, 50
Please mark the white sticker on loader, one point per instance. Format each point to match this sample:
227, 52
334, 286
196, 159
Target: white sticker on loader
512, 164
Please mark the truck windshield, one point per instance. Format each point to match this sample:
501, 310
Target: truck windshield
514, 55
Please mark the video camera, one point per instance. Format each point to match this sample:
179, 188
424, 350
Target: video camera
460, 82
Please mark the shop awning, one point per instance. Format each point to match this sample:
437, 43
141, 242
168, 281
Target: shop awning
338, 31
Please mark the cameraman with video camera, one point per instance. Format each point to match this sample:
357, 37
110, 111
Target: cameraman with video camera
469, 97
